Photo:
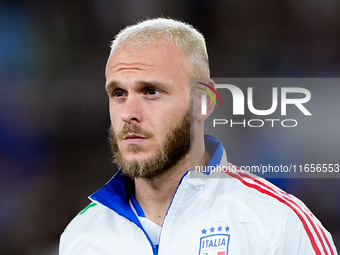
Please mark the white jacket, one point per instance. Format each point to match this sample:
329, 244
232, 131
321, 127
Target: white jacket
239, 215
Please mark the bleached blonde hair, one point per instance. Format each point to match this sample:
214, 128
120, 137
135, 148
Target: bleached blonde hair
183, 35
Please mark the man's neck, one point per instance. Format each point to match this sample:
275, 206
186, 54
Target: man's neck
155, 195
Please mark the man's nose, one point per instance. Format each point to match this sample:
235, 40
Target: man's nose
132, 110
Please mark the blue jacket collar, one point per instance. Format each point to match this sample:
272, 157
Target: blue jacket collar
215, 149
116, 193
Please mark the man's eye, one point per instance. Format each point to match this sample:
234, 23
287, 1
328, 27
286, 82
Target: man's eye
152, 91
118, 93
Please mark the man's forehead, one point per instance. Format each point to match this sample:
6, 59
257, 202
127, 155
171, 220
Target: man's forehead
159, 58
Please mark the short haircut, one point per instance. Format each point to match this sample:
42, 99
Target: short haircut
183, 35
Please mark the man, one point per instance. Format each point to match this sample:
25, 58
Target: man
152, 205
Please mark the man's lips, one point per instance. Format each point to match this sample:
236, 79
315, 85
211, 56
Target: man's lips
134, 138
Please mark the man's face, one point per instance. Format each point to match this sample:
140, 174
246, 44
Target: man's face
149, 106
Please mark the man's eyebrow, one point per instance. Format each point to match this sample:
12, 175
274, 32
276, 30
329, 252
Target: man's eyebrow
154, 84
140, 84
112, 85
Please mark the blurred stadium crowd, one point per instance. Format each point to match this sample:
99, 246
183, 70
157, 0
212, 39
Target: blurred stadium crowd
53, 107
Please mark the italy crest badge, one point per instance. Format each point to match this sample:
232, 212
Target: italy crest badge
214, 242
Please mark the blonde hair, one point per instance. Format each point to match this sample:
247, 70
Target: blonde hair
183, 35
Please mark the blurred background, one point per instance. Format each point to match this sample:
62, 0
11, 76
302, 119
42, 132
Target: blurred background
54, 109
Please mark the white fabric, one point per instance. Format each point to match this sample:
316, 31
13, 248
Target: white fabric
149, 226
230, 216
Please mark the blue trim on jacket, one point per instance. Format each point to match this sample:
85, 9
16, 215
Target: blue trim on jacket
137, 207
215, 149
115, 195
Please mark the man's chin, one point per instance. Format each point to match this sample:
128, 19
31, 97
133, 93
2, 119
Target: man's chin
141, 165
135, 149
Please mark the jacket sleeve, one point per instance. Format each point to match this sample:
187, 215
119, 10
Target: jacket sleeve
305, 235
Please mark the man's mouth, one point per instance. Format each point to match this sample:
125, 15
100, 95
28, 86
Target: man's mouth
133, 138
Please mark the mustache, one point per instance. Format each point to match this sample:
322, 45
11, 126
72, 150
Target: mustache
133, 128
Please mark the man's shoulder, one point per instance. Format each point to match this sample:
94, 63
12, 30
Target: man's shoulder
82, 223
97, 229
257, 192
84, 217
252, 197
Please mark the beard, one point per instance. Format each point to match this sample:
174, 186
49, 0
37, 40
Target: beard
176, 146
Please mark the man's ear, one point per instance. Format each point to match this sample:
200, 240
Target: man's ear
210, 103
